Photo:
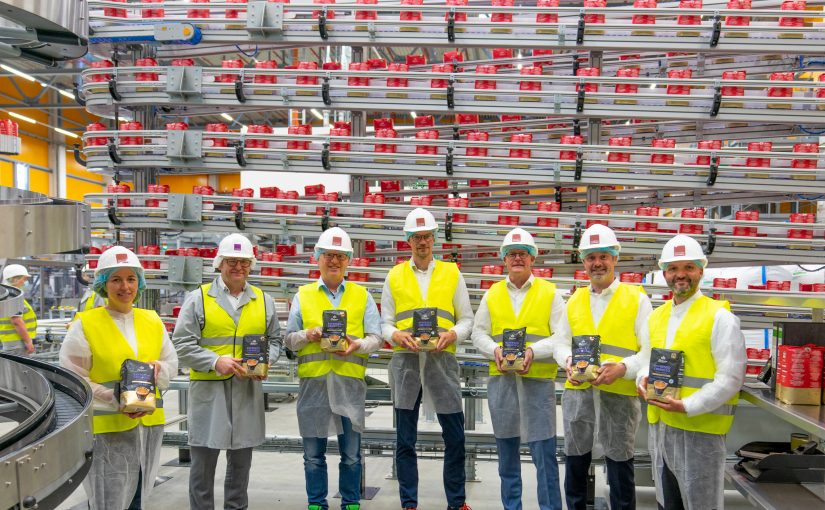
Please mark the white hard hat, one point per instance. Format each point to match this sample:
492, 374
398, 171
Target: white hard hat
419, 220
234, 246
117, 257
334, 239
682, 247
12, 271
518, 238
597, 237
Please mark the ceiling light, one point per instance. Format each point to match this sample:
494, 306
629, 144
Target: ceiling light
244, 129
227, 117
23, 117
18, 73
66, 93
67, 133
317, 114
652, 85
413, 115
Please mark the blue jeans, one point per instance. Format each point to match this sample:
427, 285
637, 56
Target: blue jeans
547, 473
406, 461
349, 469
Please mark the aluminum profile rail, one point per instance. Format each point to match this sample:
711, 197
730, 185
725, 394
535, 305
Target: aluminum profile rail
588, 164
46, 456
274, 27
573, 96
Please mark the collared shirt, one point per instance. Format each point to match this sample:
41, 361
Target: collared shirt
461, 303
727, 345
296, 336
236, 301
482, 326
598, 305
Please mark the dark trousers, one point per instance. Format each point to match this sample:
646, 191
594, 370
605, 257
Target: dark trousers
202, 478
406, 461
670, 490
620, 479
136, 499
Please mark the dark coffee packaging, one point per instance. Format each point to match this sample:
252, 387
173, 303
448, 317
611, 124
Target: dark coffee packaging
425, 328
585, 360
666, 371
334, 331
512, 349
255, 357
137, 387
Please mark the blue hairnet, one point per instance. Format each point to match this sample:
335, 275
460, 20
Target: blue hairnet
102, 277
611, 250
408, 235
526, 247
321, 251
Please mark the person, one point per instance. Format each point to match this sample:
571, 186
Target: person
127, 445
17, 332
616, 312
425, 282
687, 434
226, 408
522, 404
332, 390
89, 300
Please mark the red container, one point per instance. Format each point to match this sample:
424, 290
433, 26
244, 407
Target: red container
411, 15
581, 275
453, 57
131, 140
711, 145
437, 184
182, 62
263, 78
619, 157
478, 183
629, 277
300, 130
421, 201
588, 71
510, 118
509, 205
820, 92
374, 198
598, 209
734, 75
314, 189
570, 140
647, 226
426, 134
217, 128
304, 79
547, 17
542, 221
758, 162
177, 126
781, 285
738, 21
366, 15
398, 82
805, 148
390, 186
685, 19
339, 146
197, 13
502, 53
257, 143
466, 118
151, 13
376, 63
331, 66
286, 250
663, 143
385, 147
521, 138
424, 121
502, 17
596, 19
92, 141
415, 60
513, 184
459, 202
330, 12
485, 84
245, 193
679, 90
797, 233
120, 188
326, 197
534, 70
539, 52
644, 19
781, 91
439, 83
358, 81
792, 5
235, 13
746, 216
627, 88
229, 77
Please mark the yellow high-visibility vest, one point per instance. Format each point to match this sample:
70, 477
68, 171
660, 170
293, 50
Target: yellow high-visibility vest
693, 338
110, 349
222, 336
407, 296
8, 335
534, 315
616, 329
312, 361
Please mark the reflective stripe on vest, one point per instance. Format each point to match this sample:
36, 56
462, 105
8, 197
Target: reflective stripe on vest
617, 329
8, 335
312, 361
534, 315
693, 338
222, 336
407, 296
110, 349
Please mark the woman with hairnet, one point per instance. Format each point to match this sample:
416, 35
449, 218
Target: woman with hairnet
127, 446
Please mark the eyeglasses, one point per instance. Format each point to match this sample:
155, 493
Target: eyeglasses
518, 255
234, 262
418, 238
340, 257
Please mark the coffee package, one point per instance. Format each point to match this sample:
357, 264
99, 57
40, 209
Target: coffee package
425, 328
137, 387
334, 331
586, 355
255, 355
666, 371
512, 349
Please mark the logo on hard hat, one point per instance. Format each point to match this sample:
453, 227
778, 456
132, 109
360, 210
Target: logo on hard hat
336, 241
679, 251
121, 258
419, 222
516, 238
237, 246
594, 239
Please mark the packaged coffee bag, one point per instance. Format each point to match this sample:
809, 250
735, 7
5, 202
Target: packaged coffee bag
334, 331
425, 328
586, 355
137, 387
666, 371
512, 349
255, 355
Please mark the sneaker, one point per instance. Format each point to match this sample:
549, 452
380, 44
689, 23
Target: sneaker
352, 506
465, 506
315, 507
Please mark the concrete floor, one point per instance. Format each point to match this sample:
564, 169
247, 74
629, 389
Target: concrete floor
277, 479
